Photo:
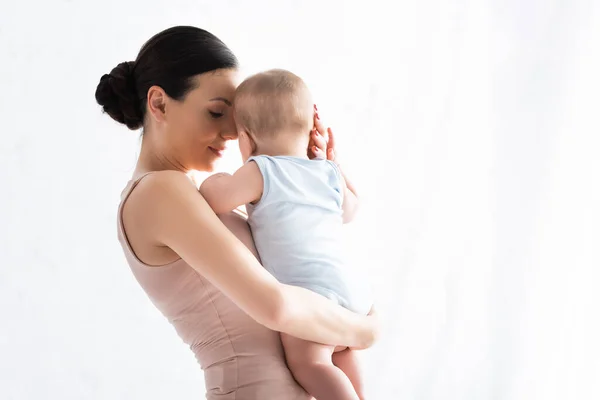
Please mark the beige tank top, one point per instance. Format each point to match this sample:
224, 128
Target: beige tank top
241, 359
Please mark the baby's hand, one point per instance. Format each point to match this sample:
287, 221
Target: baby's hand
321, 143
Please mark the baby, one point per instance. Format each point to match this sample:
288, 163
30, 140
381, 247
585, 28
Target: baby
296, 211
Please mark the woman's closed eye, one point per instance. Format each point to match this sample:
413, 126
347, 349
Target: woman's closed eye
215, 115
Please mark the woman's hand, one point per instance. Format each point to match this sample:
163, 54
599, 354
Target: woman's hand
373, 333
321, 143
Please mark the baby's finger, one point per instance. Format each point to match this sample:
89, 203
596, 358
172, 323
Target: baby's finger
331, 141
331, 154
320, 127
319, 140
318, 153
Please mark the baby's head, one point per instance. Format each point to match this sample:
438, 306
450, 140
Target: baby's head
274, 114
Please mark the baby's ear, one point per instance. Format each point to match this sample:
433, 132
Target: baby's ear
246, 144
248, 138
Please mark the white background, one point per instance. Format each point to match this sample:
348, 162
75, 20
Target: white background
470, 127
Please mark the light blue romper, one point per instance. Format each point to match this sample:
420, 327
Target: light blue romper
297, 228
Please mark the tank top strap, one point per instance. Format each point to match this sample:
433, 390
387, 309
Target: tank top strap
131, 185
122, 236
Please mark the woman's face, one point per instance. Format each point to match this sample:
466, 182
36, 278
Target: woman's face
199, 127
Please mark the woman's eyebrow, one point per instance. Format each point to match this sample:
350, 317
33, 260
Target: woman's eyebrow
224, 100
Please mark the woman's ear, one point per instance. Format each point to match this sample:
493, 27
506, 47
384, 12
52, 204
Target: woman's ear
157, 101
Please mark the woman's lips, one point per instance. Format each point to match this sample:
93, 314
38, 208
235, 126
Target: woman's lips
217, 152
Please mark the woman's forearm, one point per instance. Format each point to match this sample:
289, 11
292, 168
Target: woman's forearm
310, 316
305, 314
183, 221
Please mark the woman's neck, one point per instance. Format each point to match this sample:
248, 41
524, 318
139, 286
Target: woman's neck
151, 159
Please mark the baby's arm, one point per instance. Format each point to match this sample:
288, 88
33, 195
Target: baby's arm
350, 203
225, 192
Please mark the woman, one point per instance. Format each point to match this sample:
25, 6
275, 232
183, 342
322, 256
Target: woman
200, 271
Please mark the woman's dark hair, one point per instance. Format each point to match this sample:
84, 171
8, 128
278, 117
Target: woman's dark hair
170, 59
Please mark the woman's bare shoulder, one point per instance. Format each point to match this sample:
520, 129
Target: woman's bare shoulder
165, 180
160, 189
159, 201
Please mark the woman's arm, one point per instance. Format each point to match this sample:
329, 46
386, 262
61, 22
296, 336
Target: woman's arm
175, 215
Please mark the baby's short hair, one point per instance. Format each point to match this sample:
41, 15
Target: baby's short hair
273, 101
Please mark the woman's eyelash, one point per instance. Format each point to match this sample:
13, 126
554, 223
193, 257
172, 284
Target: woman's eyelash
215, 114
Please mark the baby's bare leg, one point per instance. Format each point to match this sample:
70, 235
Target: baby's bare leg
312, 366
348, 361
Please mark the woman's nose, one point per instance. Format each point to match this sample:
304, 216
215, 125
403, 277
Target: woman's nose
229, 131
230, 134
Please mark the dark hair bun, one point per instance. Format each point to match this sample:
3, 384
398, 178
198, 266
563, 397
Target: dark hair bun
117, 94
